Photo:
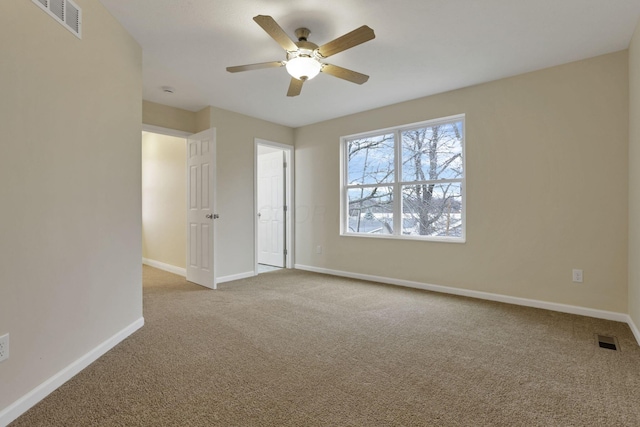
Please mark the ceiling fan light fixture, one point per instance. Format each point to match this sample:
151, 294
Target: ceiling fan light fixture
303, 67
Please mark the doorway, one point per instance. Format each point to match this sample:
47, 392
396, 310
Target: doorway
178, 202
273, 201
163, 200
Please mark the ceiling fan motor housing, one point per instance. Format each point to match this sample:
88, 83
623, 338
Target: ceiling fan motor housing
302, 34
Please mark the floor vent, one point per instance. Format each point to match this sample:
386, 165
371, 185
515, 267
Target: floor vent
610, 343
65, 12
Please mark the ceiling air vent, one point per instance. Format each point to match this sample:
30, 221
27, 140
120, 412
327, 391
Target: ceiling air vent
65, 12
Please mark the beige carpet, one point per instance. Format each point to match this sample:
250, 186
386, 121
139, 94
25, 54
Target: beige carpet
291, 348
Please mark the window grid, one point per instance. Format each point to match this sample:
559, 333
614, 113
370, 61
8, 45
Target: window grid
397, 185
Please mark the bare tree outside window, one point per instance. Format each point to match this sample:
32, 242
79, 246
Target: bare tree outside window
370, 165
408, 181
431, 155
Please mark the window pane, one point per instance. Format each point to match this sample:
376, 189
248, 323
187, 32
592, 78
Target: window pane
432, 210
433, 152
370, 160
370, 210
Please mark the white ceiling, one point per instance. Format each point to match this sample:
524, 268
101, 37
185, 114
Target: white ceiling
422, 47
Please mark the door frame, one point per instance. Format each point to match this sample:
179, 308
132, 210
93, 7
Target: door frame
288, 197
185, 135
165, 131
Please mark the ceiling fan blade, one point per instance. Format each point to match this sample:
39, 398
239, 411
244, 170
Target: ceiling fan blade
349, 40
276, 32
249, 67
295, 87
345, 74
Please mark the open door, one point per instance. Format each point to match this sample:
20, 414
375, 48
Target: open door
201, 184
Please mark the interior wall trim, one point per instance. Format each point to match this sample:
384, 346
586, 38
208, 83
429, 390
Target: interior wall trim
30, 399
238, 276
165, 131
634, 328
165, 267
563, 308
183, 271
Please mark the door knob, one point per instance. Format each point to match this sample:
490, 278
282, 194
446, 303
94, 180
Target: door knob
209, 216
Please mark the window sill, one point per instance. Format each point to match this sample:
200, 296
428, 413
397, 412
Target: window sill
404, 237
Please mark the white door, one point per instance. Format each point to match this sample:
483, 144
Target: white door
271, 215
201, 182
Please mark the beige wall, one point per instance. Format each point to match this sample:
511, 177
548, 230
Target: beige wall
175, 118
235, 135
546, 189
164, 199
169, 117
203, 119
70, 273
634, 177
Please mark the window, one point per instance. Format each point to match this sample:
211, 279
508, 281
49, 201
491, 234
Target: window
406, 182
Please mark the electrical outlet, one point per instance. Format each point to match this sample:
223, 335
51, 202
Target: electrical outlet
577, 276
4, 347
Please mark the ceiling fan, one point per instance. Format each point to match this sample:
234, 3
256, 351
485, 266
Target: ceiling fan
304, 59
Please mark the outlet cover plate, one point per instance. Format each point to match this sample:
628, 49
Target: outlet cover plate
577, 276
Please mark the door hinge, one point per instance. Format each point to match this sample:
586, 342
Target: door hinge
284, 165
286, 252
286, 208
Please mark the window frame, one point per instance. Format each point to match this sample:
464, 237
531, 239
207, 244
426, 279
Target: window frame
397, 184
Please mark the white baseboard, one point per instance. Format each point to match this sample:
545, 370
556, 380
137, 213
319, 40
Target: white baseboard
563, 308
166, 267
634, 329
183, 271
27, 401
236, 277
